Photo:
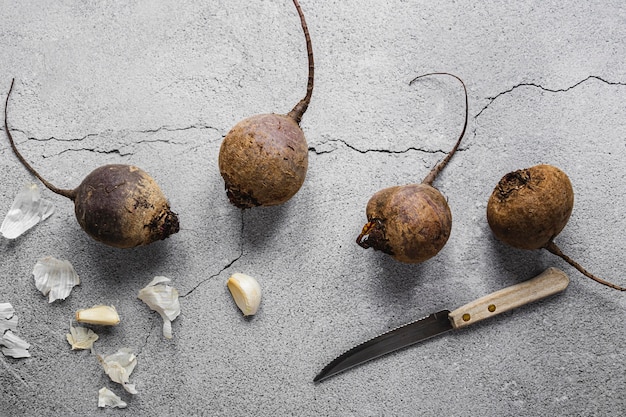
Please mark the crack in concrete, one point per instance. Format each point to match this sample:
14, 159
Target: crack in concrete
364, 151
549, 90
112, 151
228, 265
144, 131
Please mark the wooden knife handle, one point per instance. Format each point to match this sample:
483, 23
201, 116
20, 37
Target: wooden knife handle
549, 282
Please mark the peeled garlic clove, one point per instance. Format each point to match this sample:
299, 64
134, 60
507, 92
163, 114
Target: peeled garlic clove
106, 397
27, 210
119, 366
81, 337
164, 300
100, 314
14, 346
55, 278
246, 292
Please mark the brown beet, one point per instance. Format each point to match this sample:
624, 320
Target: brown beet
118, 205
412, 223
530, 207
264, 158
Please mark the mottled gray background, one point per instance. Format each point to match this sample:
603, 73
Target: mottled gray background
158, 84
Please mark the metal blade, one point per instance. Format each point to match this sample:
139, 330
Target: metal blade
391, 341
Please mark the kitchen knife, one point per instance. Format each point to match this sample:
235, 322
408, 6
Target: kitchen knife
549, 282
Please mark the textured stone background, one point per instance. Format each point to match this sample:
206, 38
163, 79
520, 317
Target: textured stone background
158, 84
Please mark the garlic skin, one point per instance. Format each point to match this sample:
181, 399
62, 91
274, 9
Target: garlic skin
106, 397
101, 315
27, 210
163, 299
14, 346
8, 319
118, 366
55, 278
81, 338
246, 292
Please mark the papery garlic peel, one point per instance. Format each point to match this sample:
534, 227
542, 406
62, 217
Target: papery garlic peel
163, 299
106, 397
55, 278
246, 292
118, 366
100, 314
27, 210
81, 337
14, 346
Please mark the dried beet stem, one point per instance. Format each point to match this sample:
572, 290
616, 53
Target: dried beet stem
71, 194
554, 249
299, 109
430, 178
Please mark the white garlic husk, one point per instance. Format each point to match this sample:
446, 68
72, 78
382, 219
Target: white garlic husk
27, 210
14, 346
163, 299
8, 319
81, 337
101, 315
106, 397
118, 366
55, 278
246, 292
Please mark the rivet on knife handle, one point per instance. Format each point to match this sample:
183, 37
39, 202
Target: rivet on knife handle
550, 282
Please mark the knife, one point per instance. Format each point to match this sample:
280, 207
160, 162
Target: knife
549, 282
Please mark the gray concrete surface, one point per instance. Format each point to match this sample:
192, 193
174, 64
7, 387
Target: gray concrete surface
158, 84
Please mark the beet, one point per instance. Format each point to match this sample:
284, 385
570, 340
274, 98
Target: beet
530, 207
118, 205
412, 223
264, 158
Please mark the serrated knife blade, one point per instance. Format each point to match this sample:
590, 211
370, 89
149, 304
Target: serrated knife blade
549, 282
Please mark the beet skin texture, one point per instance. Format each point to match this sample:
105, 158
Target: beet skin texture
409, 222
263, 160
529, 207
123, 206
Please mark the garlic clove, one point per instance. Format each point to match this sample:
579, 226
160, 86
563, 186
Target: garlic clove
55, 278
106, 397
118, 366
27, 210
246, 292
81, 337
100, 314
14, 346
163, 299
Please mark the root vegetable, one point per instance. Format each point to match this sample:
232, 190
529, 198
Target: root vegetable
530, 207
411, 222
264, 158
118, 205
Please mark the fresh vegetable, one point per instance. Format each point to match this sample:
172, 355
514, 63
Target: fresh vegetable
246, 292
101, 315
118, 205
264, 158
530, 207
411, 222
